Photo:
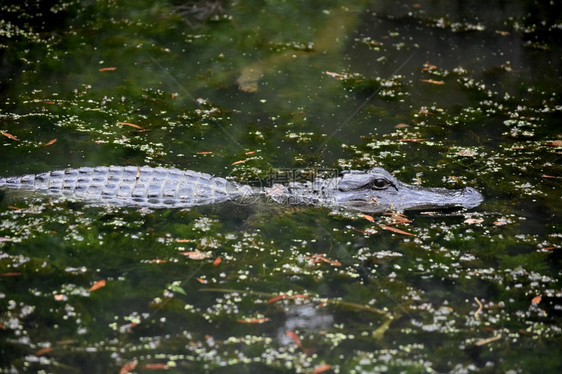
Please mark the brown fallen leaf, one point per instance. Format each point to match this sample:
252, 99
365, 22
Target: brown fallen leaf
109, 68
204, 153
401, 126
239, 162
52, 141
411, 140
97, 285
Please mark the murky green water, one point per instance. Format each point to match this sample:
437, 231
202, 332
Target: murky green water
440, 93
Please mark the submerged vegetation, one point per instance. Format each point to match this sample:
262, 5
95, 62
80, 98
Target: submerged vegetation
439, 93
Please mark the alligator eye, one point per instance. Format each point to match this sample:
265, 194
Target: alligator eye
379, 183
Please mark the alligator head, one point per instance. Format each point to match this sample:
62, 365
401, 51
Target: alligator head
376, 190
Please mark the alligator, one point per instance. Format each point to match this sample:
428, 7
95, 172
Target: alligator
370, 191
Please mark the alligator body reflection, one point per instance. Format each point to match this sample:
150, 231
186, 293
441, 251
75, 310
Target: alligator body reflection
372, 191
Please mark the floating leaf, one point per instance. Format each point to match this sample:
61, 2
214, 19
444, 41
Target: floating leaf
52, 141
97, 285
217, 261
239, 162
204, 153
536, 299
109, 68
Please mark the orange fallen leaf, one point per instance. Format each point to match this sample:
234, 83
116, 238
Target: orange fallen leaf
43, 351
217, 261
250, 152
239, 162
110, 68
253, 320
131, 125
128, 367
155, 366
276, 298
395, 230
183, 240
502, 33
536, 299
157, 261
549, 248
97, 285
204, 153
321, 368
60, 297
9, 136
52, 141
548, 176
499, 223
411, 140
201, 280
195, 255
13, 207
368, 218
401, 126
294, 337
431, 81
